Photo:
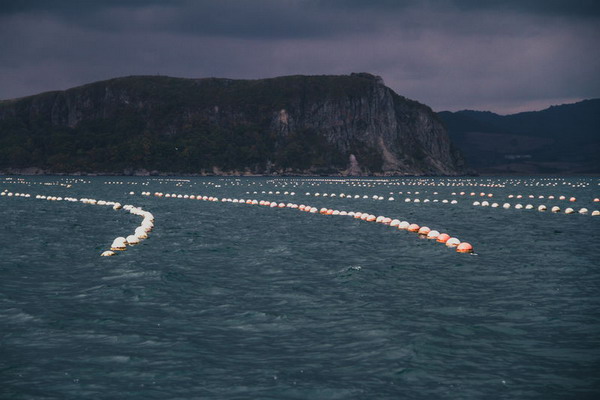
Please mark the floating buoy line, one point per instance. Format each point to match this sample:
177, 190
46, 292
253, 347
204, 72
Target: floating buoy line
120, 243
422, 231
552, 196
364, 196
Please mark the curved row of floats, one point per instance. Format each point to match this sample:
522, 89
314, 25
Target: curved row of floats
120, 243
423, 231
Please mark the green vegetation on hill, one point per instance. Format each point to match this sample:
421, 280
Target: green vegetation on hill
140, 135
563, 138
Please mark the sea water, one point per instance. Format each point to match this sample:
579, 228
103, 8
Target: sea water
234, 301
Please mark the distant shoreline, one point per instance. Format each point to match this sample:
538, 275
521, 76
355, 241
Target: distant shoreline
155, 174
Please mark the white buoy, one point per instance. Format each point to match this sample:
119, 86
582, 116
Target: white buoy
452, 242
141, 233
107, 253
132, 239
119, 243
403, 225
433, 234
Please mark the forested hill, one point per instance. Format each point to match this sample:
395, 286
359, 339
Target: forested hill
559, 139
349, 125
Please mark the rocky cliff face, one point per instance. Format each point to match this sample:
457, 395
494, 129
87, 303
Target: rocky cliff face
296, 125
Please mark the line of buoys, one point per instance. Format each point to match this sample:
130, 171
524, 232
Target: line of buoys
541, 207
120, 243
424, 231
141, 232
356, 196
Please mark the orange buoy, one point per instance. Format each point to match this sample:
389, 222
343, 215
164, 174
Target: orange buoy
413, 228
572, 199
443, 237
371, 218
464, 247
329, 212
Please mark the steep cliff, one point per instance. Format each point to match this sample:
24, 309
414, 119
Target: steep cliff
345, 125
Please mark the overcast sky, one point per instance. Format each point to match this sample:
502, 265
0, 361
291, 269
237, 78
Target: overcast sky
504, 56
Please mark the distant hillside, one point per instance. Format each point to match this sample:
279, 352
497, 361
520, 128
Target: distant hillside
560, 139
349, 125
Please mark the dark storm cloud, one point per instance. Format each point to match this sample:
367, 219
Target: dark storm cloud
234, 18
575, 8
584, 8
499, 55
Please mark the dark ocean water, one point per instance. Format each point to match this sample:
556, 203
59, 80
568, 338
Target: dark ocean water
234, 301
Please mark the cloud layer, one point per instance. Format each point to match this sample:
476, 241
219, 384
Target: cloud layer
503, 56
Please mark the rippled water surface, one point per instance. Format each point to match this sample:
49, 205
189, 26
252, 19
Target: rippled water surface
234, 301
